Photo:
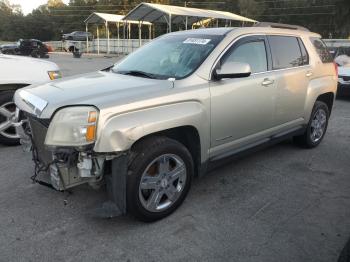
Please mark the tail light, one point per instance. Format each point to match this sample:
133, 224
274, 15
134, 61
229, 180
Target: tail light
336, 68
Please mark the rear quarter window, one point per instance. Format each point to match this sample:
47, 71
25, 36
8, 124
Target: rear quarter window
305, 55
321, 50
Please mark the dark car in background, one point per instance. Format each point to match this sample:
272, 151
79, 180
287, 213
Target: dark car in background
26, 47
77, 36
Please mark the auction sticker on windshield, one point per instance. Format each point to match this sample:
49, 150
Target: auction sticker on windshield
197, 41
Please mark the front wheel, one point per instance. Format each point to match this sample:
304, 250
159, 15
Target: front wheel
159, 178
8, 134
316, 128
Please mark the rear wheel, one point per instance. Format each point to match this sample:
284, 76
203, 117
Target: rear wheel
159, 178
8, 134
316, 128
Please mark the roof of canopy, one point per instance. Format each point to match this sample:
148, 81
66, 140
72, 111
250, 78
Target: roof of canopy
155, 13
102, 18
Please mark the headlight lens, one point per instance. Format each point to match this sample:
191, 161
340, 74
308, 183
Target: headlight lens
54, 74
73, 126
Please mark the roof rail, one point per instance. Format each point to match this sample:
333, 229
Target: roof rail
278, 25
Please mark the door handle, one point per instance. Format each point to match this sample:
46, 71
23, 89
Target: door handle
267, 82
309, 73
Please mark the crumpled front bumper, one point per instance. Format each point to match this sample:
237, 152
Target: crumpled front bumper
48, 169
62, 175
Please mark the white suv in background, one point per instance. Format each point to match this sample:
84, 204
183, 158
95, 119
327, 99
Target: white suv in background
342, 58
17, 72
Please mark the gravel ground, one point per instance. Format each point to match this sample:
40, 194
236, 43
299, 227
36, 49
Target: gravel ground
280, 204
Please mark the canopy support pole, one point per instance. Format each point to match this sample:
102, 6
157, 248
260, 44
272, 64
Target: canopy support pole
140, 41
98, 40
124, 37
107, 32
129, 38
150, 32
186, 23
87, 38
118, 37
169, 23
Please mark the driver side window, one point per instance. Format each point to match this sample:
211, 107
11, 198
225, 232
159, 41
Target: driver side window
252, 53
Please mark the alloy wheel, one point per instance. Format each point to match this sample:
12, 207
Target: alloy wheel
7, 119
162, 182
318, 125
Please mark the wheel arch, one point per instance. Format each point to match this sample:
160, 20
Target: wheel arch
187, 136
328, 99
320, 89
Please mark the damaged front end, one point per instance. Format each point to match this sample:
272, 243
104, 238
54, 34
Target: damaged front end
60, 167
63, 155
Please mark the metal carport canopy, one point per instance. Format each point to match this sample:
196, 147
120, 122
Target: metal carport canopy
177, 14
102, 18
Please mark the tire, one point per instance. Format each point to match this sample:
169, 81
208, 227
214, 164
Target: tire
9, 52
345, 253
146, 156
309, 139
7, 137
34, 54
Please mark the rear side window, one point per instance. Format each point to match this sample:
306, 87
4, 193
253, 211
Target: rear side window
322, 50
286, 52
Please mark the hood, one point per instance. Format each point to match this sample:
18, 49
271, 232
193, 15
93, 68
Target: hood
19, 60
9, 45
24, 70
100, 89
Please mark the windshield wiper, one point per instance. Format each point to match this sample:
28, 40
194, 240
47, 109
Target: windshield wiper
137, 73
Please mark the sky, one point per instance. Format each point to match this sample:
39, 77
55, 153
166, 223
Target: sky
29, 5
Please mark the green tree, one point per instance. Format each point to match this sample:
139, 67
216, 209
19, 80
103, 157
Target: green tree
55, 3
342, 19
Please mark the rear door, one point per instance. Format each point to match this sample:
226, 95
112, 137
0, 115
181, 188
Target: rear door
290, 62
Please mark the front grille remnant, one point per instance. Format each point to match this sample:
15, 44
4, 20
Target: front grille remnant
40, 156
38, 133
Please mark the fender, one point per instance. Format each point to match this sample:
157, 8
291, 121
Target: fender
317, 87
120, 132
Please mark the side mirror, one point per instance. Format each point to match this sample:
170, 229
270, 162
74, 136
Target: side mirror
233, 70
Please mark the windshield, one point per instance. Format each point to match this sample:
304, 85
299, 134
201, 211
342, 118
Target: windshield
172, 56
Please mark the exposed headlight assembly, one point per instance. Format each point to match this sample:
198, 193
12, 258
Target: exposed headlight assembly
54, 74
73, 127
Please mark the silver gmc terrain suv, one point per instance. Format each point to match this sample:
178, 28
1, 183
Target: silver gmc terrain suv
164, 114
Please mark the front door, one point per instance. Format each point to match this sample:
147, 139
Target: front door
243, 108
